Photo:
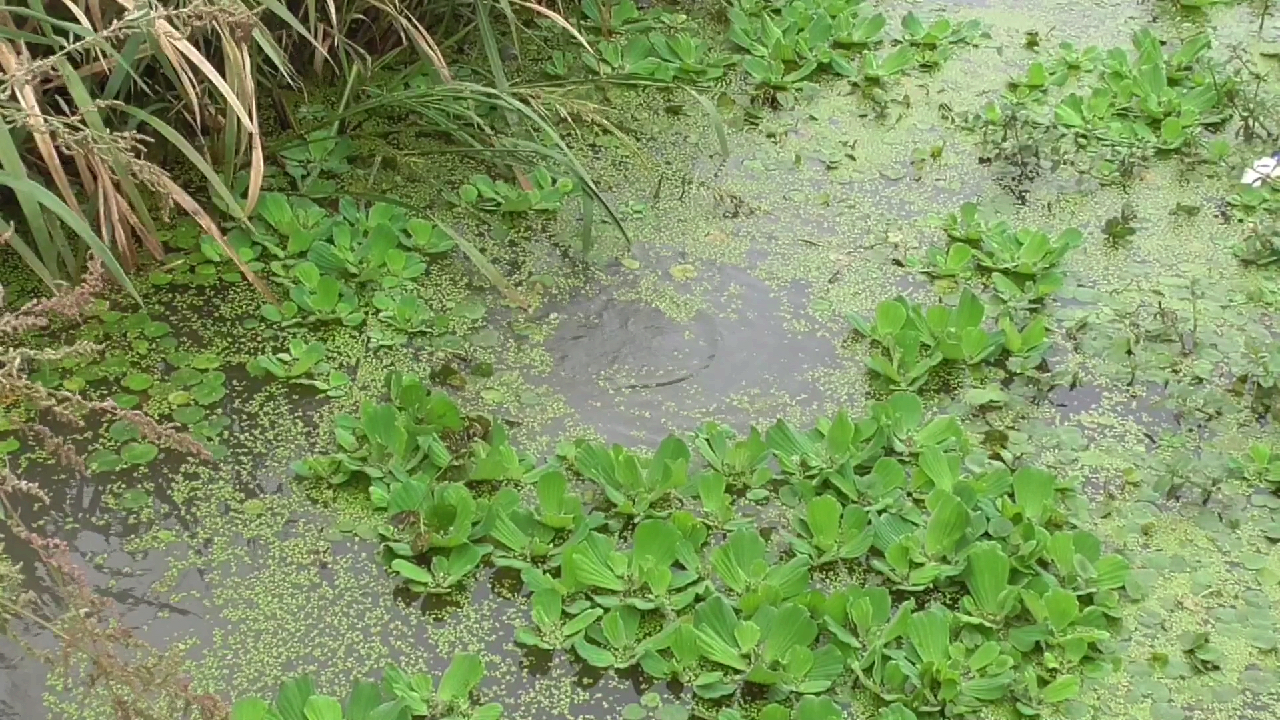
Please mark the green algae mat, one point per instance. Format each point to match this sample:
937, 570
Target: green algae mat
933, 376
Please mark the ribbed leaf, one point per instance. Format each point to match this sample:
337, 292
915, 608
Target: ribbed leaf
590, 563
930, 634
1033, 491
546, 606
593, 655
987, 576
656, 543
822, 515
947, 524
734, 560
322, 707
715, 623
784, 628
463, 675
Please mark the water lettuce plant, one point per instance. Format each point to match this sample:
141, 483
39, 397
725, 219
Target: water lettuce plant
914, 339
1125, 105
659, 571
302, 363
400, 696
390, 441
546, 193
634, 484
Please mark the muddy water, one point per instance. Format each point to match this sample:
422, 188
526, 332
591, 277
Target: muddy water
732, 311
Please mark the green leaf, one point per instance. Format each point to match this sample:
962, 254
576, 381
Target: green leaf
715, 623
1033, 490
620, 625
1112, 572
250, 709
590, 563
1063, 689
412, 572
189, 414
292, 697
592, 655
322, 707
365, 696
969, 311
546, 606
656, 543
788, 627
930, 634
822, 514
987, 576
1062, 607
139, 453
947, 524
463, 675
123, 430
672, 711
133, 498
137, 381
890, 317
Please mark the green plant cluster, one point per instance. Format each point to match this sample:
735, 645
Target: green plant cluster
400, 696
1114, 108
913, 340
778, 43
545, 194
975, 585
786, 41
188, 388
1260, 207
651, 44
357, 267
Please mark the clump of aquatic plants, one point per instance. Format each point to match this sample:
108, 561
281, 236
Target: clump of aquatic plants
992, 244
317, 161
979, 568
545, 193
303, 363
785, 43
1020, 265
913, 339
1260, 465
607, 19
527, 536
400, 696
1123, 105
673, 57
410, 434
428, 544
632, 483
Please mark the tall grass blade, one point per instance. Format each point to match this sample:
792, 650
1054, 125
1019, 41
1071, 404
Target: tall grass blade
11, 163
216, 184
119, 166
10, 237
23, 186
587, 233
717, 120
489, 39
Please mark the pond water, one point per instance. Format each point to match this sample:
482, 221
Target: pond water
733, 310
